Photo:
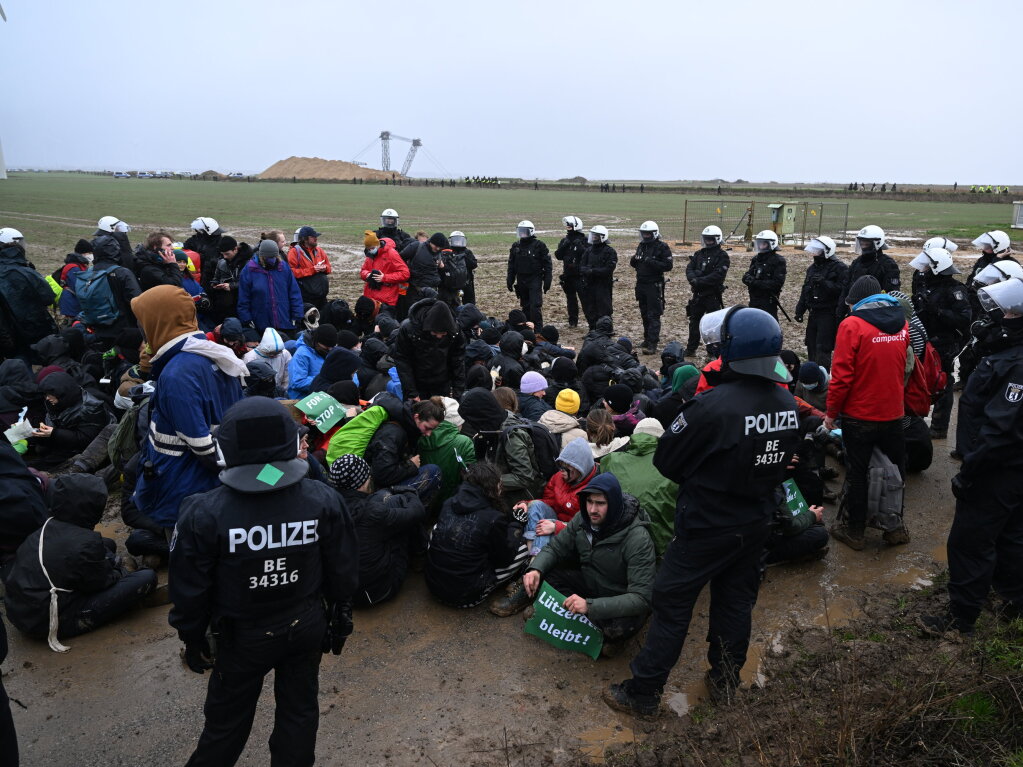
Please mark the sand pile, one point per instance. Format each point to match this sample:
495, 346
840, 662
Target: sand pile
314, 167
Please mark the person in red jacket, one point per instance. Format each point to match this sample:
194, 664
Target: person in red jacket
868, 376
310, 265
384, 271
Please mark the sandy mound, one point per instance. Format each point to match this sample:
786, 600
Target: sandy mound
314, 167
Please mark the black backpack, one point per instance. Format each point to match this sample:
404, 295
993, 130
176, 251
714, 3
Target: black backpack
545, 446
456, 273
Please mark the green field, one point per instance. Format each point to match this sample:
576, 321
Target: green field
54, 209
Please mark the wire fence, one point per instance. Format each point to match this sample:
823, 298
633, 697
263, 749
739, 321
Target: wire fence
793, 222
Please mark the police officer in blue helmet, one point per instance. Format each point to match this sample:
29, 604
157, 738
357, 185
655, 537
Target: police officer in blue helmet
727, 449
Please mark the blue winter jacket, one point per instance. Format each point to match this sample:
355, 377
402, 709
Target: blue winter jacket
269, 298
191, 397
304, 367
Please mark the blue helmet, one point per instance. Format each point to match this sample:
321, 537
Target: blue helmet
750, 343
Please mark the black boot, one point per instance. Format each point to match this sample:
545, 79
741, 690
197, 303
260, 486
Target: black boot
514, 602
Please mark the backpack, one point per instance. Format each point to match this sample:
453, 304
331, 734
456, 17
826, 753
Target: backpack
545, 446
96, 297
123, 444
926, 381
885, 490
456, 273
354, 437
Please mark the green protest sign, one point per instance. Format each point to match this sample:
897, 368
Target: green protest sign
561, 628
322, 409
794, 498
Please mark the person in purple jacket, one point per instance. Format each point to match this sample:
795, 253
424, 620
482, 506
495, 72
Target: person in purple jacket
268, 294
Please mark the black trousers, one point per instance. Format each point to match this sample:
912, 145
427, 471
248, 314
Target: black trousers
86, 612
8, 735
573, 293
292, 650
942, 412
786, 548
142, 542
651, 307
821, 328
730, 563
985, 545
699, 306
859, 438
763, 302
597, 302
919, 448
530, 293
570, 581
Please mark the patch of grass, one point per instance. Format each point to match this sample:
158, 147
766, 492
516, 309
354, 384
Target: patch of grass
1013, 760
876, 636
977, 711
1003, 646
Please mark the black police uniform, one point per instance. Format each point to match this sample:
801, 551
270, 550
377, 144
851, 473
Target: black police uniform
879, 266
745, 427
399, 237
256, 568
969, 360
652, 260
824, 284
706, 274
943, 306
985, 544
596, 277
570, 252
471, 265
529, 275
764, 280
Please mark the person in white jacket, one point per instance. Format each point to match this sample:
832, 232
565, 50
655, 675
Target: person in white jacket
271, 348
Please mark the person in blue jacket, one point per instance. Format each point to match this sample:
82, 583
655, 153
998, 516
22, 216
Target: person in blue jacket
306, 361
268, 294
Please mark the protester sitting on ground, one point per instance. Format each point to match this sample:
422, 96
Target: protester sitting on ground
156, 264
634, 468
624, 408
75, 263
123, 288
812, 385
563, 374
600, 433
563, 422
74, 417
547, 345
66, 579
798, 537
339, 365
448, 449
310, 352
373, 368
18, 390
531, 396
271, 348
384, 522
477, 360
684, 379
560, 502
507, 398
477, 545
195, 290
268, 295
508, 364
22, 507
393, 451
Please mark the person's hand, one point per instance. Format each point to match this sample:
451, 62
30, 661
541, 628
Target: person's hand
546, 527
198, 656
415, 459
221, 286
43, 430
959, 486
520, 506
320, 267
351, 412
531, 326
818, 513
829, 423
799, 318
339, 628
793, 462
575, 604
531, 582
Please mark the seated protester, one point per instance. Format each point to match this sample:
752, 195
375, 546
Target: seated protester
22, 507
74, 264
18, 389
393, 452
624, 408
127, 353
683, 388
429, 352
919, 448
271, 349
476, 545
508, 363
477, 365
262, 380
671, 358
223, 287
517, 322
317, 470
55, 351
635, 471
384, 521
468, 317
604, 561
531, 396
562, 422
67, 563
147, 541
547, 345
595, 382
595, 344
447, 448
155, 263
231, 334
796, 538
74, 418
502, 437
645, 388
339, 365
600, 433
812, 385
364, 316
507, 398
310, 352
561, 375
531, 359
791, 360
491, 336
372, 351
549, 515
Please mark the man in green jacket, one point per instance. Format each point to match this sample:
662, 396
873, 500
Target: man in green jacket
634, 468
449, 449
613, 585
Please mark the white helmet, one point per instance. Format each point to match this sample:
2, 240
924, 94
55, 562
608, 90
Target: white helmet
597, 234
821, 246
941, 242
769, 240
457, 240
389, 218
712, 233
206, 225
9, 236
999, 271
649, 227
871, 235
112, 224
573, 223
997, 240
936, 260
1007, 296
295, 238
525, 229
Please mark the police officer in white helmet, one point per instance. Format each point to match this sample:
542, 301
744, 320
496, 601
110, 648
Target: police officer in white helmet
706, 274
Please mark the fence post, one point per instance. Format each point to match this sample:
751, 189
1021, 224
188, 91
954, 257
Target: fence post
685, 221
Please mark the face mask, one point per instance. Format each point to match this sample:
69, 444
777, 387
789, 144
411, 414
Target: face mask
371, 252
819, 259
810, 387
271, 262
88, 257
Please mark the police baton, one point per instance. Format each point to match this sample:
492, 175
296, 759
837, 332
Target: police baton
781, 308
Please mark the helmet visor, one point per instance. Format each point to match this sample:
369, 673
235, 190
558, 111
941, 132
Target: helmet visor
710, 326
710, 240
594, 237
865, 245
816, 247
1007, 296
388, 222
523, 232
763, 245
457, 241
922, 263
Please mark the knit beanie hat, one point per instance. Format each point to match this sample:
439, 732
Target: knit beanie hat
437, 239
325, 334
83, 246
349, 472
371, 240
528, 335
516, 317
625, 342
619, 397
438, 318
550, 333
567, 402
269, 249
227, 242
532, 382
863, 287
347, 339
563, 369
809, 373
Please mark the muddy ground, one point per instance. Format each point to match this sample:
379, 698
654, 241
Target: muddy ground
423, 684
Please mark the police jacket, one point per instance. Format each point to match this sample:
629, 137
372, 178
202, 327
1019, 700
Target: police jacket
825, 282
400, 237
529, 260
707, 270
879, 266
27, 295
597, 267
943, 307
651, 261
260, 558
570, 252
744, 427
766, 274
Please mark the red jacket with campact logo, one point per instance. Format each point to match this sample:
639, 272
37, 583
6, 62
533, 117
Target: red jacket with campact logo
868, 368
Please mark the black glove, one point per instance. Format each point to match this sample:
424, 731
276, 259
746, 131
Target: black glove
511, 285
546, 287
747, 279
198, 656
959, 486
799, 318
339, 627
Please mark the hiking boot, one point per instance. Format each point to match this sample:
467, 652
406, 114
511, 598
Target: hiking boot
510, 604
896, 537
157, 597
621, 698
528, 613
720, 691
938, 625
852, 538
938, 433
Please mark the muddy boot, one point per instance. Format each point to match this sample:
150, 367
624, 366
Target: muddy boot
612, 649
528, 613
896, 537
515, 602
95, 454
620, 697
939, 625
938, 433
852, 538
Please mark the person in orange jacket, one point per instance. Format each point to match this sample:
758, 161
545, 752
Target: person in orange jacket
384, 271
310, 265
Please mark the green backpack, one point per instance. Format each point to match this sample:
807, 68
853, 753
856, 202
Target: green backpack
353, 438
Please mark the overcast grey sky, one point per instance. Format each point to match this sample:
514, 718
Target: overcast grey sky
791, 90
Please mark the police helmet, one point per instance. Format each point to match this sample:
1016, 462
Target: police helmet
999, 271
766, 241
258, 443
996, 241
206, 225
597, 234
573, 223
870, 239
936, 260
649, 230
525, 229
389, 218
111, 224
941, 242
9, 236
457, 240
711, 236
1007, 296
750, 343
821, 246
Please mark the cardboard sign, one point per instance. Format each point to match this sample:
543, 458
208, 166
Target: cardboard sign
322, 409
794, 498
561, 628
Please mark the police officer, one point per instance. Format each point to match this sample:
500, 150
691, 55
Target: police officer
870, 247
268, 563
529, 271
746, 426
652, 260
706, 274
389, 228
942, 306
994, 246
570, 253
596, 276
985, 544
766, 274
822, 288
